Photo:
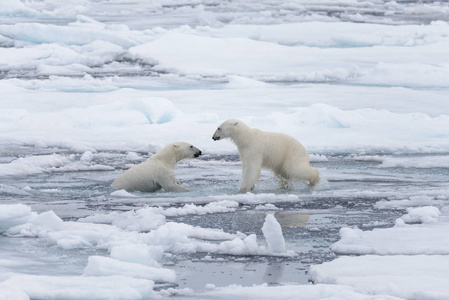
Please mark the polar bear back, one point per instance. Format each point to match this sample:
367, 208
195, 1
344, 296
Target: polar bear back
287, 150
138, 177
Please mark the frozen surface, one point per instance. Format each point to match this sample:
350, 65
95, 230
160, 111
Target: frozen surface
407, 277
90, 88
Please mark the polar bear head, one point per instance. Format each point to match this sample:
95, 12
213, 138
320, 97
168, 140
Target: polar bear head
227, 129
185, 150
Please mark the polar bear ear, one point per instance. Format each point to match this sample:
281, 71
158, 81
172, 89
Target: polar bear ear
236, 123
175, 146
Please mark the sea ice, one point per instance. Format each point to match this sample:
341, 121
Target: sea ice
13, 215
105, 266
426, 214
306, 292
76, 287
89, 87
404, 276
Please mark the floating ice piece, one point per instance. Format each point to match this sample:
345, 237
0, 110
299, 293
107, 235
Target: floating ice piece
105, 266
408, 277
13, 215
80, 288
32, 165
138, 253
411, 202
48, 220
210, 208
12, 294
123, 194
273, 234
267, 206
435, 161
16, 7
430, 238
11, 190
304, 292
118, 219
426, 214
87, 157
140, 220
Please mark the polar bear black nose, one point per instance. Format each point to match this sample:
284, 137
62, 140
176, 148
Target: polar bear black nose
198, 153
215, 138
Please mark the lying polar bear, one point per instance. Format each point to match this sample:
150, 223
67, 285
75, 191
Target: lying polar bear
279, 152
158, 171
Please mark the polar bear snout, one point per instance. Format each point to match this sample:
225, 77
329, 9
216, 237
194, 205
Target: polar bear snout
197, 154
216, 135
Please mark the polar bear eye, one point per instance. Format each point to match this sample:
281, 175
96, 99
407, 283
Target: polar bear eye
191, 147
219, 128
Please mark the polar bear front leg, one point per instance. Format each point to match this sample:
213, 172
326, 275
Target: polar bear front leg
251, 174
171, 184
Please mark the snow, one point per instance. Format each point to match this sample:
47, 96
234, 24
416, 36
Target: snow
90, 88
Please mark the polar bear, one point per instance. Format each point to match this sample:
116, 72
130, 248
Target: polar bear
279, 152
158, 171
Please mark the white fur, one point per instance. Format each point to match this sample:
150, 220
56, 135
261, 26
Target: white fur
158, 171
279, 152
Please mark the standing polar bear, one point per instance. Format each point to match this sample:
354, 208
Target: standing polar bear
279, 152
158, 171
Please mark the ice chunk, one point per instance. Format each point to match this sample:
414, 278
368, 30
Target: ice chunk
87, 156
247, 246
12, 294
80, 288
105, 266
407, 277
141, 220
192, 209
15, 8
436, 161
426, 214
273, 234
48, 220
122, 193
11, 190
138, 253
287, 291
32, 165
13, 215
414, 239
411, 202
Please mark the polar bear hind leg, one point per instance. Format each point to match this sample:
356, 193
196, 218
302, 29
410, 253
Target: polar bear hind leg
306, 173
283, 182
